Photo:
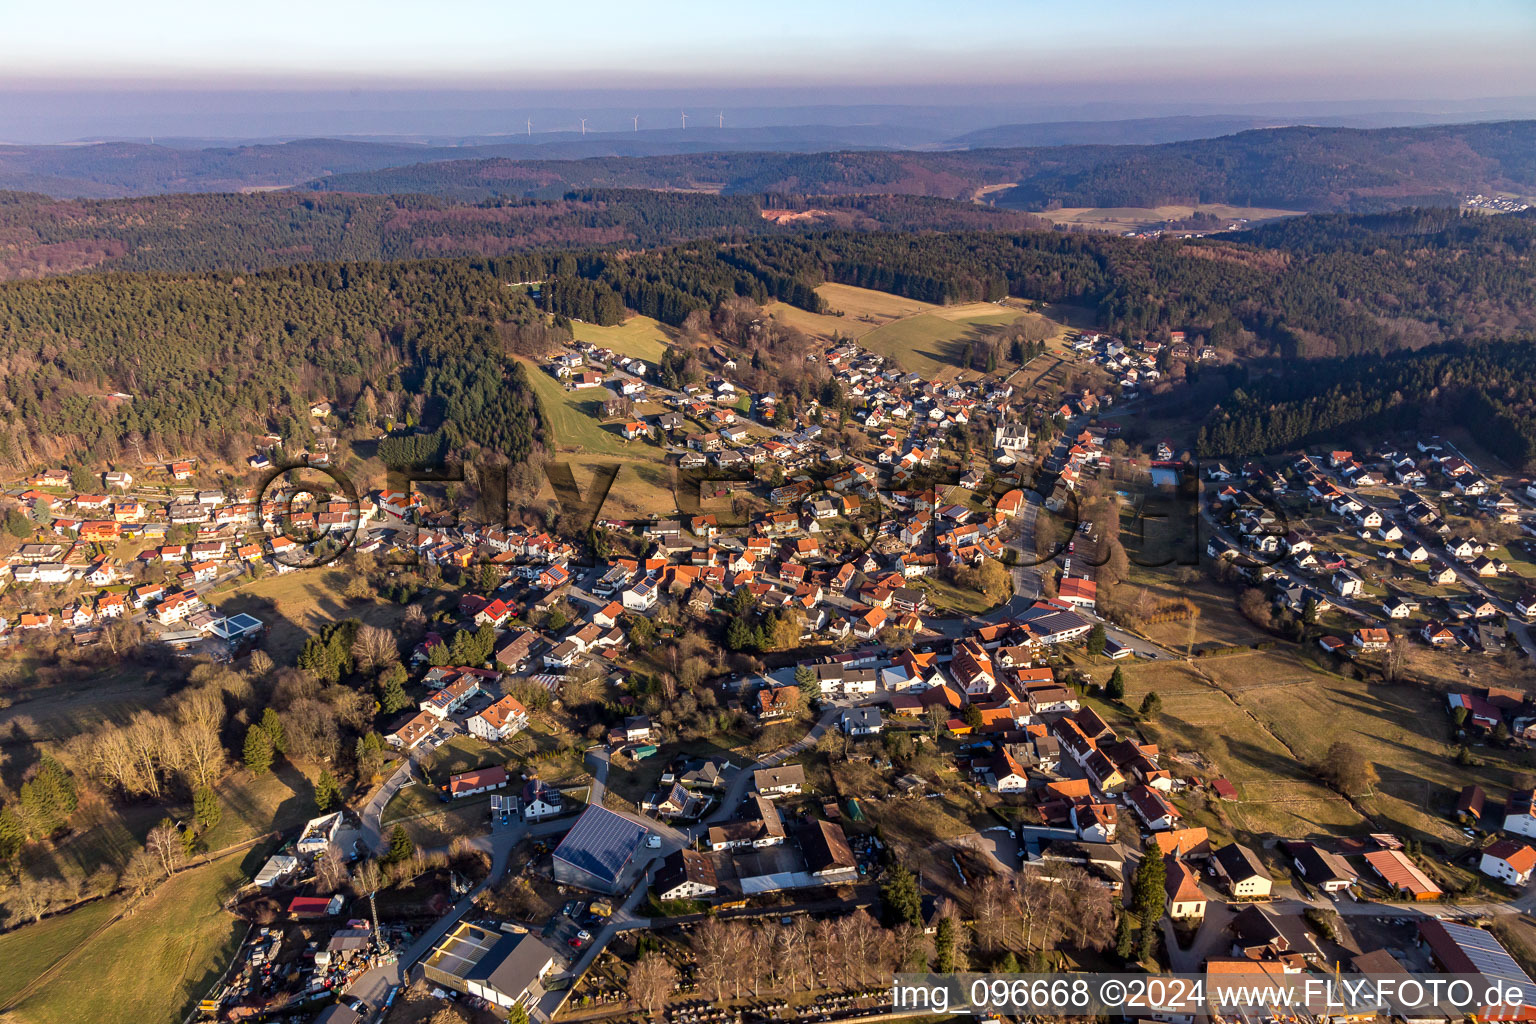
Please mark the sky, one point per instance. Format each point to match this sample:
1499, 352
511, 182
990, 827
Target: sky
802, 51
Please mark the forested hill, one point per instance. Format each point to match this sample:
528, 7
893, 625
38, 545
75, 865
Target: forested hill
1490, 390
223, 231
1456, 277
213, 360
1285, 168
1312, 169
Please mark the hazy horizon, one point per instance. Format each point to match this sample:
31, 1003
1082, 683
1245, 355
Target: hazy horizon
93, 69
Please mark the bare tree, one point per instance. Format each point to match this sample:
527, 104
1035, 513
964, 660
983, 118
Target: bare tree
374, 647
758, 956
799, 952
367, 878
331, 873
1030, 895
863, 938
310, 728
650, 981
711, 948
199, 756
1091, 910
260, 664
823, 944
987, 902
908, 947
1395, 660
34, 897
165, 845
142, 873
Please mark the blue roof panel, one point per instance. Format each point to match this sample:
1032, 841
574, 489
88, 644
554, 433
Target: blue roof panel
601, 843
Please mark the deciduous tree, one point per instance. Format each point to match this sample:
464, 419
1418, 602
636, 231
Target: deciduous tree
650, 981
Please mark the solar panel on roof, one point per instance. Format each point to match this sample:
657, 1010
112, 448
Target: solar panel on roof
601, 843
1489, 957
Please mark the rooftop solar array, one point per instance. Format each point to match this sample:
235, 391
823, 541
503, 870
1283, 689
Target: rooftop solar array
1489, 957
601, 843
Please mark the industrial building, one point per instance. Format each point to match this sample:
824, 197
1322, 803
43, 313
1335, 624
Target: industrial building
501, 968
597, 850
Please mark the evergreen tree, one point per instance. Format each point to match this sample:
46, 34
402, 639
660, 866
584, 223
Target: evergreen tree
1125, 937
17, 524
739, 634
400, 846
642, 632
393, 697
273, 727
47, 799
1096, 639
1148, 893
944, 946
899, 892
1151, 705
206, 809
1146, 948
13, 833
441, 655
1115, 688
327, 792
258, 750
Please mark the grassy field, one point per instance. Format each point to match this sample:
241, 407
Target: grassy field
639, 336
110, 834
297, 604
949, 597
148, 966
1277, 793
818, 325
29, 951
931, 344
851, 312
644, 483
54, 706
1131, 218
867, 305
1263, 719
575, 416
1219, 621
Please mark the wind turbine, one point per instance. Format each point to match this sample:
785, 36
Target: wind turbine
583, 126
530, 127
722, 119
685, 119
637, 122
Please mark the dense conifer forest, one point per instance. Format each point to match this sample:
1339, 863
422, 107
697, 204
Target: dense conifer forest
1488, 389
40, 236
211, 360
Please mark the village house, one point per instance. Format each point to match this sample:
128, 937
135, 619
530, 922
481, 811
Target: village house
1508, 861
500, 721
1185, 900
